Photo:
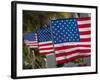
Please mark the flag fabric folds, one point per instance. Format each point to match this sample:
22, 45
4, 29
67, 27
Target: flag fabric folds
67, 39
30, 39
71, 38
45, 41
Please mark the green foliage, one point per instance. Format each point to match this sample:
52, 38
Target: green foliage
26, 58
78, 61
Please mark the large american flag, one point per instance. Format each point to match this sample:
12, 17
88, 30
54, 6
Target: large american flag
30, 39
71, 38
45, 41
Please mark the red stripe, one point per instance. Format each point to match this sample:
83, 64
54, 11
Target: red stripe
83, 19
67, 53
70, 46
72, 52
60, 54
84, 45
65, 47
84, 26
85, 32
61, 61
46, 44
85, 39
84, 51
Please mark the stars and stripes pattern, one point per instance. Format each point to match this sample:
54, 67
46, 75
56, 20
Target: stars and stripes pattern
71, 38
30, 39
45, 41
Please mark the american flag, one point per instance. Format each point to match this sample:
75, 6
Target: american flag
45, 41
30, 39
71, 38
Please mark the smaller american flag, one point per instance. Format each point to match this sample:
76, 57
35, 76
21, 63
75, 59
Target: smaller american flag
45, 41
30, 39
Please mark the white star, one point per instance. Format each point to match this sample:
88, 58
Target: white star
70, 32
73, 39
63, 30
58, 26
65, 23
59, 40
56, 34
73, 34
55, 29
69, 23
62, 25
74, 31
74, 19
55, 24
64, 35
66, 20
54, 37
70, 20
62, 21
59, 23
58, 31
69, 39
77, 39
73, 22
61, 33
65, 27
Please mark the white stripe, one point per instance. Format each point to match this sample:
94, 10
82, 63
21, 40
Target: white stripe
49, 46
33, 46
84, 29
85, 36
71, 49
31, 42
42, 51
45, 42
76, 54
70, 56
84, 22
72, 43
26, 41
60, 58
49, 54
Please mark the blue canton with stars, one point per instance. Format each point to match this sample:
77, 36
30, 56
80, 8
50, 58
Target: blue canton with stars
30, 36
44, 34
65, 30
